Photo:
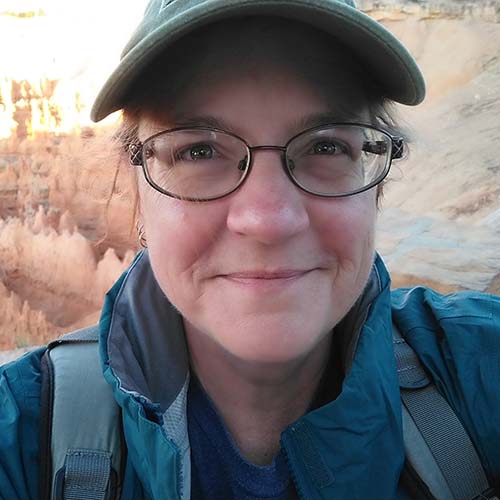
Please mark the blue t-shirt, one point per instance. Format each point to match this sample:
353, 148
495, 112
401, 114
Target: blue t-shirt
218, 471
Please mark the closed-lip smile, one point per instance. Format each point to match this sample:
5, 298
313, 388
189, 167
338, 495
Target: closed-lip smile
267, 275
265, 280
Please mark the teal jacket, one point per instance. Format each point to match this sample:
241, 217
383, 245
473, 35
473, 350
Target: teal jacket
350, 448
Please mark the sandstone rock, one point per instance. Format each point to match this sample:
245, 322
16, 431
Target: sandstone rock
67, 223
40, 221
50, 282
20, 326
391, 10
450, 255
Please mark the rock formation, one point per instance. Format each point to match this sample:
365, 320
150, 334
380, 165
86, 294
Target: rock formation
66, 233
51, 280
30, 106
459, 10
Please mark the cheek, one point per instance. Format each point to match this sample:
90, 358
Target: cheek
179, 236
346, 227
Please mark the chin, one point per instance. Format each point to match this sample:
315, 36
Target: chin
265, 343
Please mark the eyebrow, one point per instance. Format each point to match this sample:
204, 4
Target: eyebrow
201, 121
303, 123
318, 119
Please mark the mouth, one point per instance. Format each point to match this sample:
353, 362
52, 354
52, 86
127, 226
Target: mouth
268, 275
267, 279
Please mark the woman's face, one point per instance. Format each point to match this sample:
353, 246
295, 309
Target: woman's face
266, 272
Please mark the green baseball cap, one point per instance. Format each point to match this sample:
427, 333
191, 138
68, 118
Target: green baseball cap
166, 21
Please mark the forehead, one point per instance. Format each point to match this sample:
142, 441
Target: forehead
270, 50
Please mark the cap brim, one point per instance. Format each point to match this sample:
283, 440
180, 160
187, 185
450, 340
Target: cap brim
386, 59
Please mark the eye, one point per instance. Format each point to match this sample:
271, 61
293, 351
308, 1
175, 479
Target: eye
328, 148
197, 152
324, 148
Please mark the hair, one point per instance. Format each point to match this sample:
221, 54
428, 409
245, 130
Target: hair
244, 39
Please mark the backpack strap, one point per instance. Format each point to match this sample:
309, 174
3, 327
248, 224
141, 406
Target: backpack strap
437, 446
81, 447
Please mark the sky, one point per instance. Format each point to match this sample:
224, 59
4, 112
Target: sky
70, 37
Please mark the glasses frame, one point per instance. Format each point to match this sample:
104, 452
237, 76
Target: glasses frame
136, 152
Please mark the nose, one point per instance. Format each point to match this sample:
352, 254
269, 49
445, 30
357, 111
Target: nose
268, 207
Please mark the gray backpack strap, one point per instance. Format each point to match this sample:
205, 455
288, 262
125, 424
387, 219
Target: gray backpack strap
437, 446
81, 423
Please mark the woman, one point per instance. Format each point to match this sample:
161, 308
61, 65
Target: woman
250, 346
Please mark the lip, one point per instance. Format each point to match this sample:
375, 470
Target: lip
268, 275
267, 279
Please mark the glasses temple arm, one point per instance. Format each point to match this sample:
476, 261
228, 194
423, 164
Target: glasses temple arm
380, 147
398, 148
135, 152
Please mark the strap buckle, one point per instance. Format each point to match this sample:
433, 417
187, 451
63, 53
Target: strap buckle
86, 475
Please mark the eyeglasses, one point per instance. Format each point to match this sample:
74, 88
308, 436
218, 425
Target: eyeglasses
202, 163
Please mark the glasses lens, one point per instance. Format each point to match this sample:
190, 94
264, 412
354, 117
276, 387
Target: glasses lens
196, 163
339, 160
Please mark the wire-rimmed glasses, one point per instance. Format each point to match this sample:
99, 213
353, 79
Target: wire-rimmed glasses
203, 163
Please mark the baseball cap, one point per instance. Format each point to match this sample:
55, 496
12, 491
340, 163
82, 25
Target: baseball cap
166, 21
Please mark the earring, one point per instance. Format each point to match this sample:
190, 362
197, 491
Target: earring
141, 234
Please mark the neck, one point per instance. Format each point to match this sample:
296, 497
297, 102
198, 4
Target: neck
257, 401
